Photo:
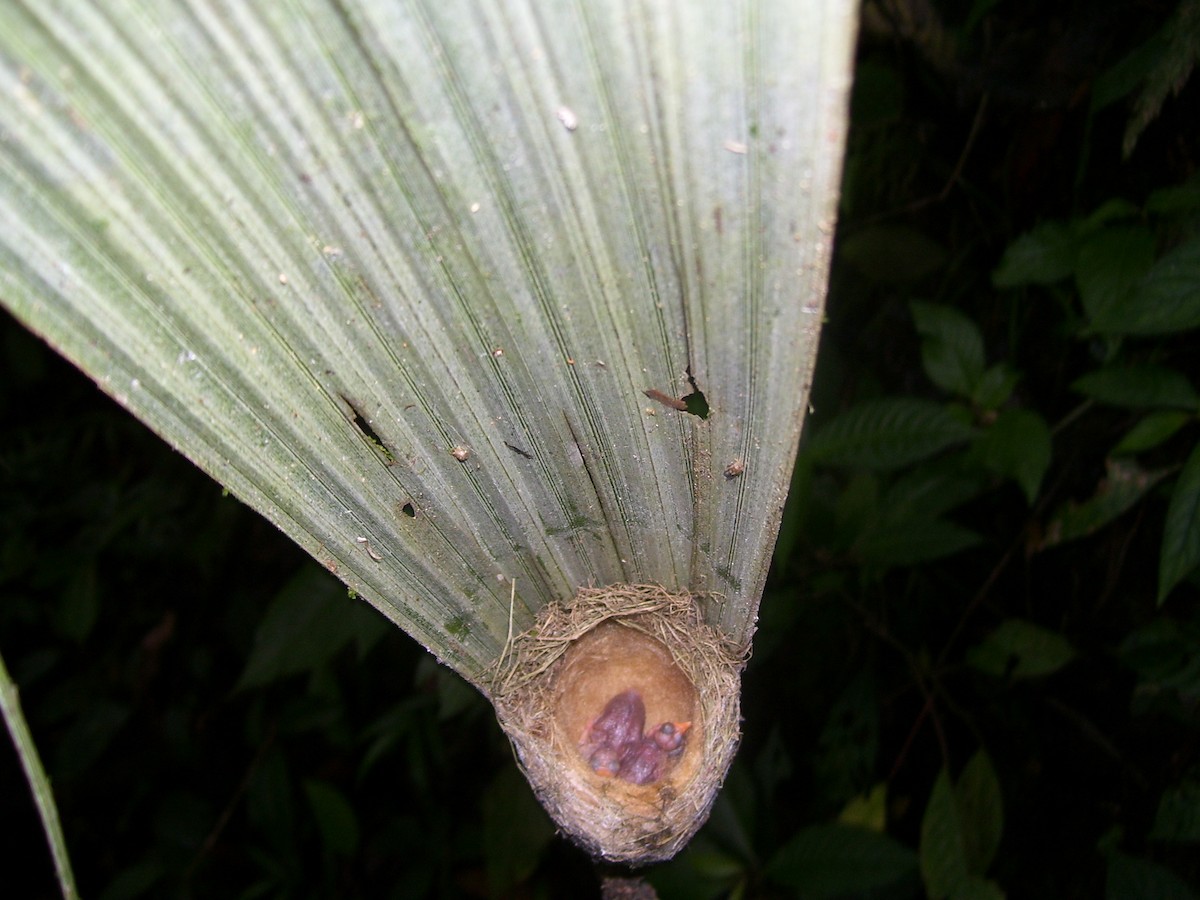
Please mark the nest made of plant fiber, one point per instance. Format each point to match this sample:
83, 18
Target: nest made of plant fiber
555, 680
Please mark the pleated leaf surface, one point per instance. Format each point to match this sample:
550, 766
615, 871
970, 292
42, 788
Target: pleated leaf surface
400, 274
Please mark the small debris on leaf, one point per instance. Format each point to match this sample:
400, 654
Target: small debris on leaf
666, 399
567, 116
367, 546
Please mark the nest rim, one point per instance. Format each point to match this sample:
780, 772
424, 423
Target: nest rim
614, 820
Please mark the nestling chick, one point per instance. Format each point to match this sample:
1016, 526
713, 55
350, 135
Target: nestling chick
615, 746
621, 723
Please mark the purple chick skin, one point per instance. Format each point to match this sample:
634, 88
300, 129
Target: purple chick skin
615, 746
621, 723
643, 763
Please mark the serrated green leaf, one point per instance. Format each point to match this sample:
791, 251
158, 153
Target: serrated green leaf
1110, 264
942, 849
1170, 71
1180, 551
1151, 431
1167, 299
951, 347
335, 816
1016, 445
929, 490
1021, 649
835, 860
1041, 256
1124, 484
1139, 387
889, 433
981, 812
910, 542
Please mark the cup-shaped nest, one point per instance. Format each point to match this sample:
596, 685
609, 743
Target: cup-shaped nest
554, 696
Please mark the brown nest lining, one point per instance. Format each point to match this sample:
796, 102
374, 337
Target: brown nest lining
556, 679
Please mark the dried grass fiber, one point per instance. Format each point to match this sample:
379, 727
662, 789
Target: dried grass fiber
557, 676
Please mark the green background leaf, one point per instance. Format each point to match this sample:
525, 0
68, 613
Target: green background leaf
951, 348
835, 860
888, 434
1181, 533
981, 811
1110, 263
1016, 445
1139, 387
1042, 256
307, 623
1151, 431
1021, 649
942, 849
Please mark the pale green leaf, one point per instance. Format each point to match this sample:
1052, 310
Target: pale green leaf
398, 274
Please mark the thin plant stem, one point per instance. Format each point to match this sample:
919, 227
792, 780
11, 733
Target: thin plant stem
35, 774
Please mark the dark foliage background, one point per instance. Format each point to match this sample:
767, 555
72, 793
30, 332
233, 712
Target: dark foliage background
977, 672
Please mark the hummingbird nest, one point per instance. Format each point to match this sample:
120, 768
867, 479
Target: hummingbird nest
555, 681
